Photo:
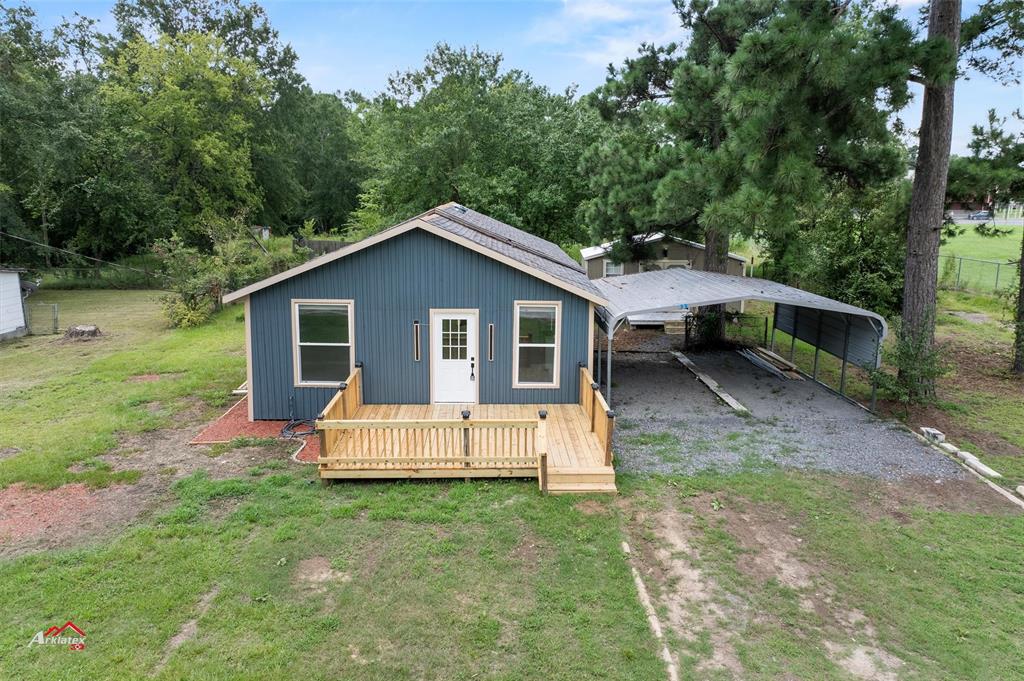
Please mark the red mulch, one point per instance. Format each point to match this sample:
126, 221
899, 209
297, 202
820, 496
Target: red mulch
235, 423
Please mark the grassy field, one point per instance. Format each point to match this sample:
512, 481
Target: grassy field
267, 575
970, 244
65, 402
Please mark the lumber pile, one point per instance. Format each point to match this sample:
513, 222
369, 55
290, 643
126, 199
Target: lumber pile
772, 363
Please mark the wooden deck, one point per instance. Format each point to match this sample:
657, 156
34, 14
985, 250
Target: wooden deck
563, 445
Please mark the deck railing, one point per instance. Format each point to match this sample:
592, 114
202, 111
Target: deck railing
343, 405
463, 445
602, 419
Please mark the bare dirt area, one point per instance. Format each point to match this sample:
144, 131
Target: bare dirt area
697, 604
896, 500
72, 515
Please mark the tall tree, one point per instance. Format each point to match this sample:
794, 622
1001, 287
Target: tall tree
464, 129
188, 109
989, 41
768, 102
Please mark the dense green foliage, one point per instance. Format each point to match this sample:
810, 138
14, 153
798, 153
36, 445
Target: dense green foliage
464, 129
743, 128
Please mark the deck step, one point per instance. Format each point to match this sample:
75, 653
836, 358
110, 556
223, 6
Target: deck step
581, 488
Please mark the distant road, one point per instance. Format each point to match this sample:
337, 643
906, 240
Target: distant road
1014, 222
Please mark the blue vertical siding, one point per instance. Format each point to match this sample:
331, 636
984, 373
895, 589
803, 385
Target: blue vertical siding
393, 284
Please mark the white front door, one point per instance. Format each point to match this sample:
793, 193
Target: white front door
453, 356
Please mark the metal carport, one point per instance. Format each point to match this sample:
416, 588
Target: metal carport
848, 332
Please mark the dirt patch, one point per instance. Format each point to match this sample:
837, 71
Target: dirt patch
865, 662
666, 551
314, 574
687, 596
591, 507
72, 515
972, 317
896, 500
188, 630
770, 548
7, 452
529, 551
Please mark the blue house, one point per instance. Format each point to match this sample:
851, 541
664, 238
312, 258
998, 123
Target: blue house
448, 307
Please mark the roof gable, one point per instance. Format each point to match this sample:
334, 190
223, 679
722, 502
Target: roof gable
475, 231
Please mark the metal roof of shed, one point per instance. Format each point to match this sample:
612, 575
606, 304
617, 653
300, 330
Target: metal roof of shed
675, 289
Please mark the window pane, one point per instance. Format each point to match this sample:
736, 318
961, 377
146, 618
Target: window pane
324, 363
537, 324
323, 323
536, 365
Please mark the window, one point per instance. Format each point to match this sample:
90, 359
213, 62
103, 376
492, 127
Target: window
322, 334
490, 342
416, 341
612, 269
538, 327
454, 339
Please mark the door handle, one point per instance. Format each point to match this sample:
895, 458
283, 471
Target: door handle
472, 366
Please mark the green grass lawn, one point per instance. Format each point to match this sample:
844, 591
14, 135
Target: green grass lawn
272, 576
970, 244
65, 402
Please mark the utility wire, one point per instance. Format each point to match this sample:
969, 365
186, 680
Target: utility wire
79, 255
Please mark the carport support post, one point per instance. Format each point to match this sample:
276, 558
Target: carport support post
608, 376
775, 320
598, 377
878, 364
796, 330
846, 345
817, 346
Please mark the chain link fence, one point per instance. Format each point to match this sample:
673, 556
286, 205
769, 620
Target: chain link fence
43, 318
973, 274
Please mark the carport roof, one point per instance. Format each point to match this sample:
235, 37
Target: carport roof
675, 289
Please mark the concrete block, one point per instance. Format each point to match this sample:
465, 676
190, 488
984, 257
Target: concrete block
977, 465
966, 456
1020, 490
948, 447
933, 434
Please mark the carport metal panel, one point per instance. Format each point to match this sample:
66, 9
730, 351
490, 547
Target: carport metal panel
846, 331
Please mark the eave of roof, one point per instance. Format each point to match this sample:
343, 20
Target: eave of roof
568, 277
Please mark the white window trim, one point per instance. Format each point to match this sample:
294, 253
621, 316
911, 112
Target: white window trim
296, 372
557, 304
621, 266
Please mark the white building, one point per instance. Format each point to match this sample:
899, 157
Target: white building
12, 306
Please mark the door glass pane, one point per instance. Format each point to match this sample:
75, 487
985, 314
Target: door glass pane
536, 365
324, 363
537, 324
454, 339
323, 323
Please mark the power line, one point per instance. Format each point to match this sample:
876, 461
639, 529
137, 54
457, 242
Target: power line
79, 255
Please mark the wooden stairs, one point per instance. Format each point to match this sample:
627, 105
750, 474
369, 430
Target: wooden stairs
596, 479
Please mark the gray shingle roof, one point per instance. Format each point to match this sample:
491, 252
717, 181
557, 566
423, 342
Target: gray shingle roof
523, 247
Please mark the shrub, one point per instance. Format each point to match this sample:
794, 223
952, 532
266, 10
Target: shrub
197, 280
917, 364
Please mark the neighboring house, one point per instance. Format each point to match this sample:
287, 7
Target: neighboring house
13, 321
448, 307
667, 251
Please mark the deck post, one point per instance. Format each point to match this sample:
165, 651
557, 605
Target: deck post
541, 447
465, 439
594, 388
608, 438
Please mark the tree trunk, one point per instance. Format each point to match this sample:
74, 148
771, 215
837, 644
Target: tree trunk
716, 258
927, 201
1018, 337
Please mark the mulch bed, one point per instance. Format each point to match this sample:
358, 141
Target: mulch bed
235, 423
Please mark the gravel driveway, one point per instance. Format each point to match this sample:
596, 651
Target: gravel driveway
668, 422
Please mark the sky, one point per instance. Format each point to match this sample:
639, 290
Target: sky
349, 45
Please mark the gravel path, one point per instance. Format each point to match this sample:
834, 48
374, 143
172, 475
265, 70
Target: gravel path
668, 422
